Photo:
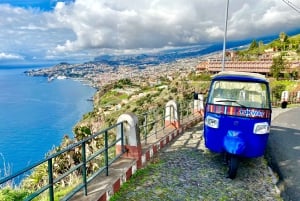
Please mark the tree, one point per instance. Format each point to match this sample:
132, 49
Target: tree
82, 132
277, 90
277, 67
261, 44
253, 45
284, 39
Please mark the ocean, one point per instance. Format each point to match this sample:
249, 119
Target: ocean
35, 115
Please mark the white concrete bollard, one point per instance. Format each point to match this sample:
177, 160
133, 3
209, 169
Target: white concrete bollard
199, 104
172, 114
284, 99
132, 142
284, 96
298, 96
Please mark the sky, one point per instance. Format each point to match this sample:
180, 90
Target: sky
78, 30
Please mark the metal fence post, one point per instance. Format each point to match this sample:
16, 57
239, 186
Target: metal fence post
155, 122
83, 150
182, 111
106, 152
145, 127
163, 120
122, 137
50, 175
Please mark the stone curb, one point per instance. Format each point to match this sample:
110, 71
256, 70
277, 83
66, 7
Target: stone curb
120, 175
123, 169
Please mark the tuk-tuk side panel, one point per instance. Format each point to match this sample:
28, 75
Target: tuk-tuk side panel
232, 112
239, 111
254, 144
214, 137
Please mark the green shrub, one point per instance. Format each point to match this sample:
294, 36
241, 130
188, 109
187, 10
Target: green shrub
8, 194
277, 90
278, 86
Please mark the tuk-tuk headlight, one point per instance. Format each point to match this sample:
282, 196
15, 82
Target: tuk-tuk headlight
212, 122
261, 128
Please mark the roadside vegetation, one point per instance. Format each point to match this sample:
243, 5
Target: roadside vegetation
126, 96
287, 48
284, 44
109, 103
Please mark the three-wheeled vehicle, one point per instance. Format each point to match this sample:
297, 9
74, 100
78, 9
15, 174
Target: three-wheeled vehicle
237, 116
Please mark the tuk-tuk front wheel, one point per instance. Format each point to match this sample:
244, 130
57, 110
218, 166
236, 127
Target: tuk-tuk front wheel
233, 166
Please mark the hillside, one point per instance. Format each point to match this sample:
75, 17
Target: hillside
284, 44
126, 96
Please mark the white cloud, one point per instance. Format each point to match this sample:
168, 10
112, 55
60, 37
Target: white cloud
86, 28
122, 24
5, 56
215, 32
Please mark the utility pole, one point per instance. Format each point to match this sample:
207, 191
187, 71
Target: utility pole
225, 36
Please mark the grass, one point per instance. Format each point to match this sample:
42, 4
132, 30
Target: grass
136, 179
113, 98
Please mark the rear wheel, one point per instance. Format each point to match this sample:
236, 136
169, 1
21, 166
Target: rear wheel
233, 166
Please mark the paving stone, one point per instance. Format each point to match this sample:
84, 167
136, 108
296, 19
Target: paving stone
186, 170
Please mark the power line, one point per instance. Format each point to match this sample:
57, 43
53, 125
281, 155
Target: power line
293, 6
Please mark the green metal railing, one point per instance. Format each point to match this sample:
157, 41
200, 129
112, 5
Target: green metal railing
153, 121
186, 110
150, 123
108, 155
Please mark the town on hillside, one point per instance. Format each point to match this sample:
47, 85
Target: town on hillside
279, 58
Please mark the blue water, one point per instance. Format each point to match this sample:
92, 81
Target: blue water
35, 114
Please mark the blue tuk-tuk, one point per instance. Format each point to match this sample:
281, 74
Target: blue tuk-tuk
237, 116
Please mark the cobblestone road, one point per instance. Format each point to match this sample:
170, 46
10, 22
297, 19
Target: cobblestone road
186, 170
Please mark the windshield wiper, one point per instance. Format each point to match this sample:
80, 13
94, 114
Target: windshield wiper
231, 101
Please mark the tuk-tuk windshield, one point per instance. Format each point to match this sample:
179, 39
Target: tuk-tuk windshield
238, 93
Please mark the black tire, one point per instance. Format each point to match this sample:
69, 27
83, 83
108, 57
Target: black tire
233, 166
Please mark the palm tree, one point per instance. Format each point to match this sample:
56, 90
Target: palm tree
278, 66
283, 38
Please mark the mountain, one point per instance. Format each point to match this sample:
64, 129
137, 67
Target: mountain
171, 55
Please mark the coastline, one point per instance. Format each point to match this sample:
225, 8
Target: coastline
35, 115
98, 75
